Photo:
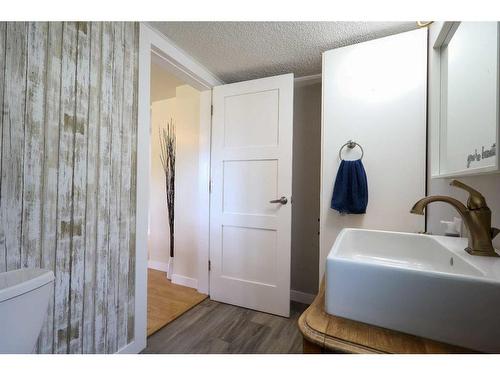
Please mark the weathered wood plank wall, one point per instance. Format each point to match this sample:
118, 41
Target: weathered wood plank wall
68, 123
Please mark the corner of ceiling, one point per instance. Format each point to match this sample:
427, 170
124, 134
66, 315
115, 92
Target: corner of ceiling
181, 63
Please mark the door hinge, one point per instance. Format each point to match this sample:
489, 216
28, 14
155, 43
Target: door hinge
210, 187
211, 110
209, 265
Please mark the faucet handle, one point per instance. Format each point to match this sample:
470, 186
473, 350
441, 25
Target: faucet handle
476, 199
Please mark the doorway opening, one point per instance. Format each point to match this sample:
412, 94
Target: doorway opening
153, 46
227, 139
172, 270
174, 161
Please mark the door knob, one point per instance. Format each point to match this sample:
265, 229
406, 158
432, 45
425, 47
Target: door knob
282, 200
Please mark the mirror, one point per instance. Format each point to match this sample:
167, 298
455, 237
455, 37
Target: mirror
468, 99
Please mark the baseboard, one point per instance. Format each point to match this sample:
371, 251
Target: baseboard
301, 297
185, 281
295, 295
159, 266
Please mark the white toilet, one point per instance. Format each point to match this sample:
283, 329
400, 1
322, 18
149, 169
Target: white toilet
24, 297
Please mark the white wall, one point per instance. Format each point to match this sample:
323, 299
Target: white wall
185, 110
305, 186
163, 84
375, 94
186, 186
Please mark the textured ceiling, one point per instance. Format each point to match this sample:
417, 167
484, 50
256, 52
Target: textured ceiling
236, 51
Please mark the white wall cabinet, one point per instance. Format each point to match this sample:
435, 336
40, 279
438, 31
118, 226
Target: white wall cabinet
464, 98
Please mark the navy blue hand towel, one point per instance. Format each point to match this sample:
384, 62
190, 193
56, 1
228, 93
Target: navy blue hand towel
350, 192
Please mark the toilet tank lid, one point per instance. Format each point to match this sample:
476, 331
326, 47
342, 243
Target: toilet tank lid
17, 282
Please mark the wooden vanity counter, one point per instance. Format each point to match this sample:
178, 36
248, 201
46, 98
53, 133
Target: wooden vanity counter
325, 333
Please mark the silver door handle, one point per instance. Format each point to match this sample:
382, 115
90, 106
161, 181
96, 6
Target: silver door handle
282, 200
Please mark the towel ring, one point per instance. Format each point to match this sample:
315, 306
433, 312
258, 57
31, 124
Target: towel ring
351, 144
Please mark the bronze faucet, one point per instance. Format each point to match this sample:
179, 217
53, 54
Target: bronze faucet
476, 216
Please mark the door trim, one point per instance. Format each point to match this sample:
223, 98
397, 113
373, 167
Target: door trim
187, 69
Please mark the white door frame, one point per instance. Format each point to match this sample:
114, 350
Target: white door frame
188, 70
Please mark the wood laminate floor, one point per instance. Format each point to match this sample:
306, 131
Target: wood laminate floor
213, 327
167, 301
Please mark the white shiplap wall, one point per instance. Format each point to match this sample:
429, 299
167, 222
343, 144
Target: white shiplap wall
68, 94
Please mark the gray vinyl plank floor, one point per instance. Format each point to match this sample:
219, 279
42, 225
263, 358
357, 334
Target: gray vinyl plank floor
218, 328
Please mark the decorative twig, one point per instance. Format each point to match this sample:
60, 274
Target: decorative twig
167, 157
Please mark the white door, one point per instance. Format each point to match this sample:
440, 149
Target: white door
252, 165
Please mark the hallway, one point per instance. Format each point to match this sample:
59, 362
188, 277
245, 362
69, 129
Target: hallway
167, 301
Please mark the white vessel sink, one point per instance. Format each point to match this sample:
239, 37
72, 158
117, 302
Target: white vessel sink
24, 296
419, 284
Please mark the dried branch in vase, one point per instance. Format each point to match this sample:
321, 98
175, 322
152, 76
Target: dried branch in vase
167, 157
